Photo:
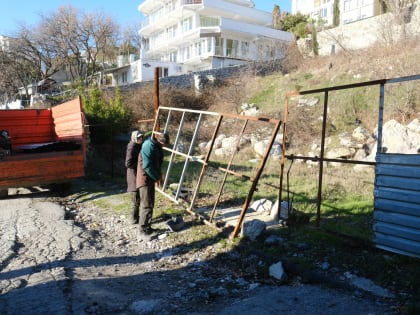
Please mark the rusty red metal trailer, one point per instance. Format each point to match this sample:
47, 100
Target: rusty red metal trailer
46, 145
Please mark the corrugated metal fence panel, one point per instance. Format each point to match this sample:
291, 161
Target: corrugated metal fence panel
27, 126
397, 203
68, 120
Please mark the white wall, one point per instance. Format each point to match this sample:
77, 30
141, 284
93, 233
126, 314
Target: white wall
364, 33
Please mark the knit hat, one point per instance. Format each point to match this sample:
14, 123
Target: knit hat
135, 135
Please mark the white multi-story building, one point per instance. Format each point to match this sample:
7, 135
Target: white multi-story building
183, 36
5, 42
350, 10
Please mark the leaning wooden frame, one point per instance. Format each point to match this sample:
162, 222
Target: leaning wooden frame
188, 151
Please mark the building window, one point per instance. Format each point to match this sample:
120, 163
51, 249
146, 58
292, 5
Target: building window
197, 48
347, 4
210, 45
208, 21
163, 72
219, 46
171, 32
170, 6
231, 48
187, 24
185, 53
124, 77
244, 49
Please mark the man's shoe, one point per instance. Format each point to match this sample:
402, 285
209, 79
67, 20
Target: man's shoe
149, 231
134, 221
148, 234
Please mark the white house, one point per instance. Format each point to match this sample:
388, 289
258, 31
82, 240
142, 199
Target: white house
183, 36
5, 43
350, 10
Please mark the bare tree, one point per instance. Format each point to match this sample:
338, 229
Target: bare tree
19, 66
130, 40
61, 30
66, 38
276, 17
336, 13
9, 82
394, 24
97, 33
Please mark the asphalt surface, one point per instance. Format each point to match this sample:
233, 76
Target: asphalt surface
37, 276
35, 241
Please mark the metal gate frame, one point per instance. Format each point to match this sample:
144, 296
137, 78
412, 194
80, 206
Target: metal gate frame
405, 238
205, 162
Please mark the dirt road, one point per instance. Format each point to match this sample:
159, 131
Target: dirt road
51, 264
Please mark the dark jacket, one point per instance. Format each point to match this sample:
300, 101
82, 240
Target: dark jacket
131, 160
151, 158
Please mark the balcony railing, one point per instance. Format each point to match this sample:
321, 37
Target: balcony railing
184, 2
165, 11
209, 21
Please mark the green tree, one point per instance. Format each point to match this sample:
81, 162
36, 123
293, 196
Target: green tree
295, 23
106, 118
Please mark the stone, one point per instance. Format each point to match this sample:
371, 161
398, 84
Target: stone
360, 134
249, 109
340, 153
218, 141
284, 210
277, 271
261, 146
262, 205
253, 229
308, 101
367, 285
273, 240
397, 138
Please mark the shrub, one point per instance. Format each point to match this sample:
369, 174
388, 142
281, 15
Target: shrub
106, 118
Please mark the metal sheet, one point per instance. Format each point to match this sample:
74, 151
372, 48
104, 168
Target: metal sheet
396, 206
397, 203
396, 194
397, 245
398, 231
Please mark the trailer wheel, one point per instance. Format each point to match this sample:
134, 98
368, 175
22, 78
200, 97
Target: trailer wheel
4, 193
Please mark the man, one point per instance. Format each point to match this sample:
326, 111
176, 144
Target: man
148, 173
131, 161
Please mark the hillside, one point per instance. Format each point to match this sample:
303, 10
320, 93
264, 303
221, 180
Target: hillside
341, 246
350, 67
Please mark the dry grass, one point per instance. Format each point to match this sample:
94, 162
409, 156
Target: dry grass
377, 62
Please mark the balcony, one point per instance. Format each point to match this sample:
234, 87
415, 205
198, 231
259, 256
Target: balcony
160, 16
214, 27
187, 2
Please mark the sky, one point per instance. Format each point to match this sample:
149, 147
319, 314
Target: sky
16, 12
